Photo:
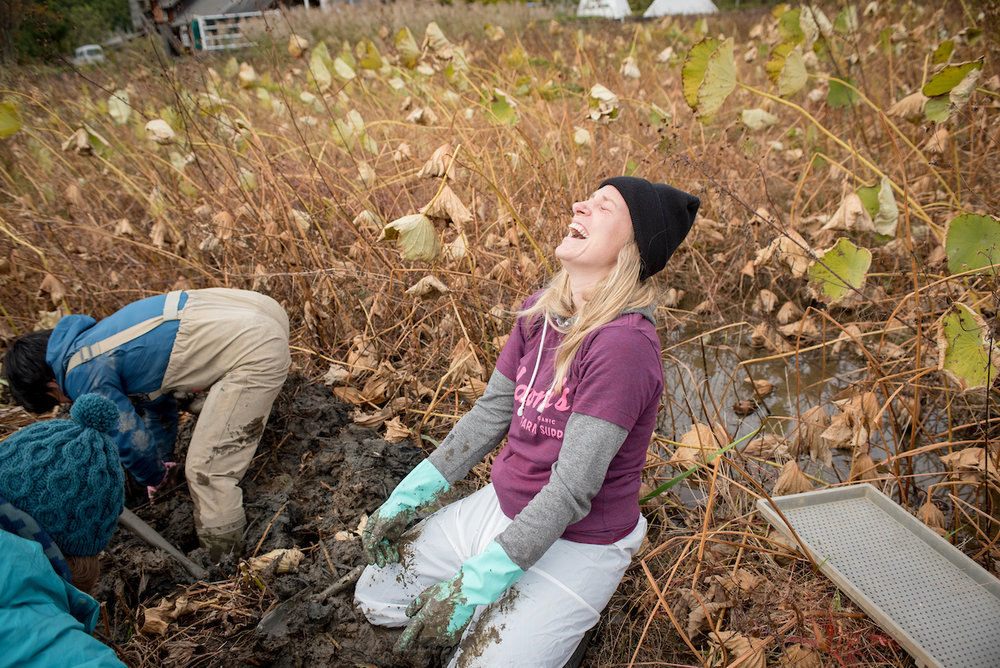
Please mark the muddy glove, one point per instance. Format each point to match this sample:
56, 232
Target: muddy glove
419, 488
442, 611
155, 491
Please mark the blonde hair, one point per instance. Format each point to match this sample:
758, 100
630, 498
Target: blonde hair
620, 290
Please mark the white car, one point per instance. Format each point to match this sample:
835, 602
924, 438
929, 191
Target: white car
88, 54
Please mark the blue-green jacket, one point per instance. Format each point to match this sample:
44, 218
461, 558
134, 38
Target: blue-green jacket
44, 620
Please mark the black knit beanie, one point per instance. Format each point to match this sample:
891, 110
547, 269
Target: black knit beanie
661, 217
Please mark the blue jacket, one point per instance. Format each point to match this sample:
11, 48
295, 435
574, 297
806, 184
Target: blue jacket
147, 429
44, 620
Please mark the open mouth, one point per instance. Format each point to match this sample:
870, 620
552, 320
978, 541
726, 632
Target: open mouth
577, 231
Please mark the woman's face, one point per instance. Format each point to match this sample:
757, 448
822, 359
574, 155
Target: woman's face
600, 228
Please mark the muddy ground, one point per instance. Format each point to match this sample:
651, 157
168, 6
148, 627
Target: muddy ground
315, 474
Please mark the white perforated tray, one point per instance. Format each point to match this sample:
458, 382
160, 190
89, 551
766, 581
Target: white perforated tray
935, 601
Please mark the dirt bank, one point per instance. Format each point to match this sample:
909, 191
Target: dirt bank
314, 476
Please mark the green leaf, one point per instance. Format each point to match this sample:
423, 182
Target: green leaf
886, 219
189, 189
972, 242
869, 197
409, 52
368, 144
694, 68
659, 116
937, 109
247, 180
264, 97
119, 108
40, 153
944, 51
347, 55
456, 68
839, 95
416, 237
840, 268
847, 20
708, 75
210, 103
178, 161
880, 202
962, 351
503, 108
790, 27
949, 77
757, 119
787, 69
99, 143
10, 119
342, 69
320, 65
348, 131
368, 56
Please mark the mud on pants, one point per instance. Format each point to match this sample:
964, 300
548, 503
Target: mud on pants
235, 343
538, 621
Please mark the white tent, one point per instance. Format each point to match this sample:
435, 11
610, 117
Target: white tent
610, 9
668, 7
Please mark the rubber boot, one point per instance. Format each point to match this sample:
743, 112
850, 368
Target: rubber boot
219, 545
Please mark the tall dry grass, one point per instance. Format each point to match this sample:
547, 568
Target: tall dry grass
269, 186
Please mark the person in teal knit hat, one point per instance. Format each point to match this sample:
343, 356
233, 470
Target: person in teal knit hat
232, 344
61, 492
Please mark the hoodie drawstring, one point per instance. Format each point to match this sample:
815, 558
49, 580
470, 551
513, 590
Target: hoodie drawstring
541, 346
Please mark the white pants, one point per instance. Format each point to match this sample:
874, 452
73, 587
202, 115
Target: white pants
538, 621
234, 342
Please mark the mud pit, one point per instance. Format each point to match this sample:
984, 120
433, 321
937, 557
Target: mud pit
315, 474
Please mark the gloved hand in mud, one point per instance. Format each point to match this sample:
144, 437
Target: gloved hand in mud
154, 492
442, 611
422, 486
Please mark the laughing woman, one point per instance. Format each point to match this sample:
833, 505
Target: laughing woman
535, 555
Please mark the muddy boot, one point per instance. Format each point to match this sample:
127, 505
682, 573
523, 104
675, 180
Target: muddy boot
218, 545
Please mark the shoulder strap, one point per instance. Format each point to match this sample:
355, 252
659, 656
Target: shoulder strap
87, 353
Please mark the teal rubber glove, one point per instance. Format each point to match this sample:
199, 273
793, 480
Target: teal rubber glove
442, 611
423, 485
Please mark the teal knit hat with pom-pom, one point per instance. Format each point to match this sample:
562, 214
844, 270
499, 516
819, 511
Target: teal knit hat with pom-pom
67, 475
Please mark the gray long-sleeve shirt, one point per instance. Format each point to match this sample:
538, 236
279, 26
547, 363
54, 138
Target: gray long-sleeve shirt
589, 445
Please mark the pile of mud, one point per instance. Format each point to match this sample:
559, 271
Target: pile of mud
314, 476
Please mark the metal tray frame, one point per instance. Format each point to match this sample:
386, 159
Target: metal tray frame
941, 606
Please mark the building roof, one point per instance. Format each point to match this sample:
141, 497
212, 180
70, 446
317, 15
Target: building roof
214, 7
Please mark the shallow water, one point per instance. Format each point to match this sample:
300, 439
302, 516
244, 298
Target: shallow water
706, 375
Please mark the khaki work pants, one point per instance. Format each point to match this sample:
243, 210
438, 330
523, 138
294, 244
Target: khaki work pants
235, 343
